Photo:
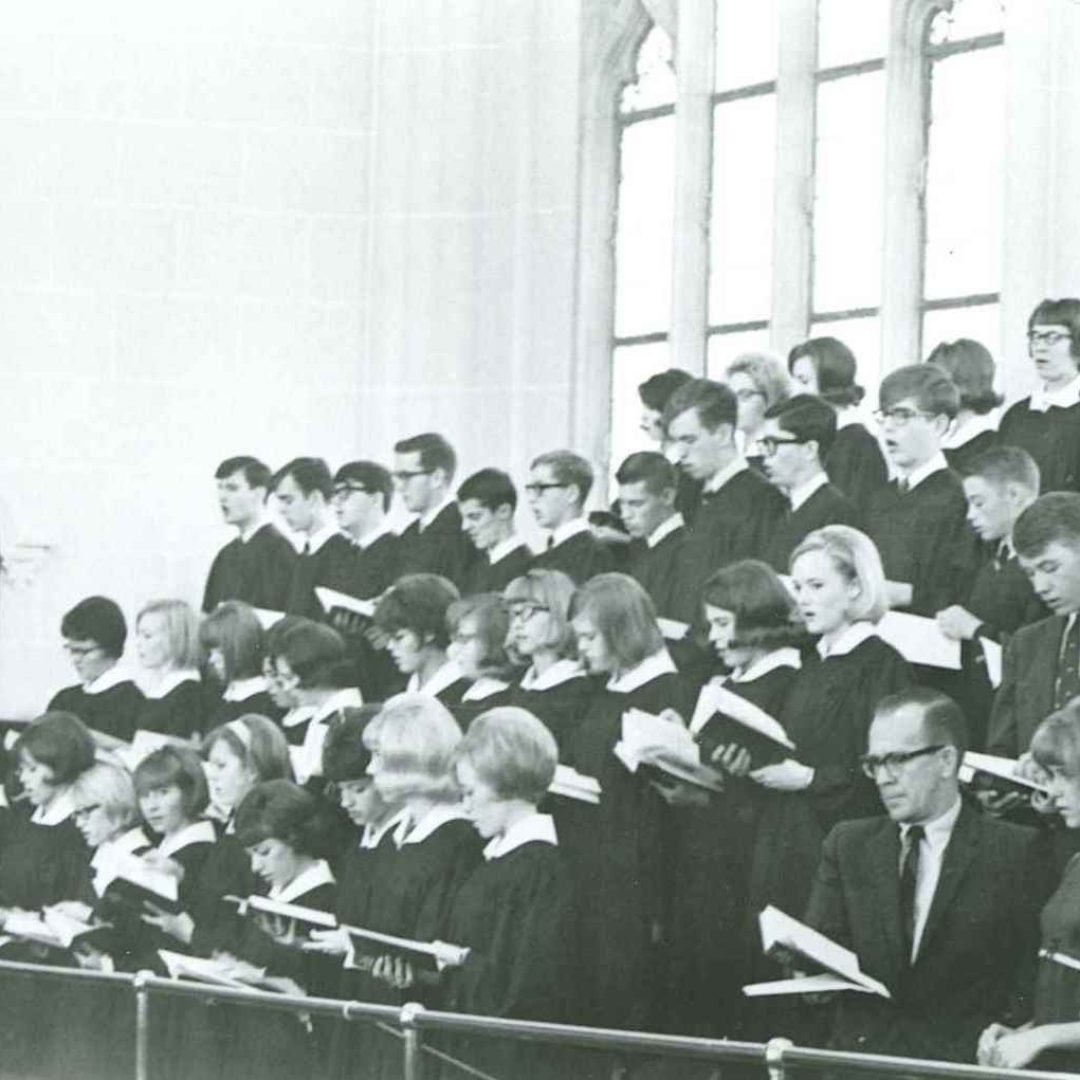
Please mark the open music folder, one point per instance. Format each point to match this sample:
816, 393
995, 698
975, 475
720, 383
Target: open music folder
664, 748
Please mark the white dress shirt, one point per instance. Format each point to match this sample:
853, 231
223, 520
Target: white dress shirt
936, 836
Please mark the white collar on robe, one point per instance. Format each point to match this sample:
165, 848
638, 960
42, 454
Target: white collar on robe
849, 416
373, 834
427, 518
956, 437
242, 689
728, 472
484, 687
436, 817
534, 828
445, 676
107, 680
297, 715
665, 528
801, 494
198, 832
369, 538
169, 682
347, 697
319, 873
771, 661
924, 471
318, 538
57, 812
124, 844
567, 530
561, 671
849, 639
652, 667
1043, 399
260, 522
498, 552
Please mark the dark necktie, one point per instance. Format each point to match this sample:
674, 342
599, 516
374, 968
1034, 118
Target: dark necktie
307, 547
909, 879
551, 542
1067, 685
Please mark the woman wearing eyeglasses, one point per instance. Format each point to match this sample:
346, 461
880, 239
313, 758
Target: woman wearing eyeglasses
555, 687
1047, 424
478, 629
758, 380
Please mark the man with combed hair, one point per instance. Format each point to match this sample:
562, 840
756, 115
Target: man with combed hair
938, 901
256, 566
433, 543
362, 494
488, 500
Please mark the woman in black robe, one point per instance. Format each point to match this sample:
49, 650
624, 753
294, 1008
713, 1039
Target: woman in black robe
974, 429
479, 625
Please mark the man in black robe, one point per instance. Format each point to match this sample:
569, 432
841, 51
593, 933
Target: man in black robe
487, 500
257, 565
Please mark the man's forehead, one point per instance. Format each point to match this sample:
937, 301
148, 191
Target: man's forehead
1055, 551
473, 508
545, 474
635, 490
900, 729
407, 460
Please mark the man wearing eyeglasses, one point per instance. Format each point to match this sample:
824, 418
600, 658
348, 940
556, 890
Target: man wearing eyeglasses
919, 521
938, 901
795, 438
433, 543
1047, 424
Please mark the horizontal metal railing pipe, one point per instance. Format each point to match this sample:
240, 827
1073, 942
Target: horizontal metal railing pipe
48, 971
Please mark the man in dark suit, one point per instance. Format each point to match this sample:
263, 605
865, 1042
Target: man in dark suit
1041, 669
939, 902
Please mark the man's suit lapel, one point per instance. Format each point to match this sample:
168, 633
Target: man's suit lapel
885, 874
963, 845
1043, 679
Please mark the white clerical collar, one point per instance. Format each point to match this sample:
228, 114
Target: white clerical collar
498, 552
561, 533
939, 830
373, 834
169, 682
561, 671
319, 873
107, 680
1061, 398
298, 714
485, 687
242, 689
198, 832
427, 518
347, 698
652, 667
439, 815
369, 538
848, 639
728, 472
956, 437
772, 661
61, 807
315, 540
536, 828
924, 471
801, 493
443, 677
246, 534
665, 528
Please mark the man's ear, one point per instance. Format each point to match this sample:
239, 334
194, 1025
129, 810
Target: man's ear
668, 496
504, 512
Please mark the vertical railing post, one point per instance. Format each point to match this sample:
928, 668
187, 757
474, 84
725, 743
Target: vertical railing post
774, 1057
414, 1065
142, 1025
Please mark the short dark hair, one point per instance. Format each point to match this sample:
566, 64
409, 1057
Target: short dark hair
1064, 312
764, 610
434, 450
1006, 465
943, 720
344, 755
97, 619
61, 742
317, 655
174, 766
835, 365
567, 468
971, 367
656, 390
650, 468
1051, 518
256, 474
282, 810
926, 384
234, 628
491, 488
309, 474
369, 475
714, 402
808, 418
418, 602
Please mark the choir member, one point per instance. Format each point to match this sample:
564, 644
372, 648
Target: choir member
412, 615
283, 696
739, 508
479, 626
555, 687
558, 488
233, 643
654, 394
167, 645
488, 500
974, 428
918, 521
304, 489
796, 438
1050, 1039
840, 593
648, 487
759, 382
256, 566
1047, 424
433, 543
616, 848
105, 698
825, 366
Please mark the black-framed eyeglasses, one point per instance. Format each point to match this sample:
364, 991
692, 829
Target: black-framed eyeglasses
405, 475
893, 763
1047, 337
82, 650
900, 417
525, 612
769, 443
343, 491
539, 489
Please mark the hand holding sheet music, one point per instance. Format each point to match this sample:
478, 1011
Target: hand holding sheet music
726, 719
663, 746
919, 640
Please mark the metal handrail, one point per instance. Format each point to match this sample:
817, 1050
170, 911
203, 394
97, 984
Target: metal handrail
413, 1019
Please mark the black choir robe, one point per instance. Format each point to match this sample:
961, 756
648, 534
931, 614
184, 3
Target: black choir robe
827, 506
856, 465
487, 692
1052, 438
485, 576
332, 564
923, 538
580, 557
961, 457
181, 711
439, 548
657, 570
260, 703
375, 567
559, 698
258, 571
616, 854
113, 710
